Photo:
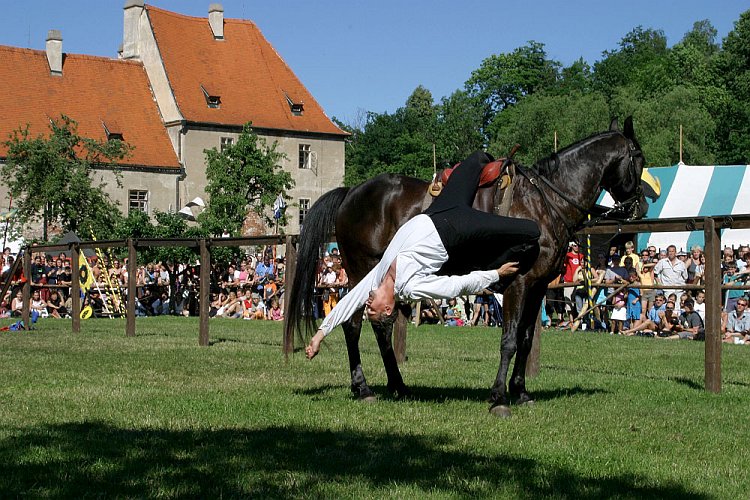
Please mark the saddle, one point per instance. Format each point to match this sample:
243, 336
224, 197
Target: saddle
494, 192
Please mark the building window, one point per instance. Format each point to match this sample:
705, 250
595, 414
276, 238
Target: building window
297, 108
304, 156
138, 200
304, 207
226, 142
213, 100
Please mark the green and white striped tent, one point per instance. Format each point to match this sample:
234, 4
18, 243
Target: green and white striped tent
695, 191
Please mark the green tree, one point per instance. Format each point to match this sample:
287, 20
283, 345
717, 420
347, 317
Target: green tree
459, 128
503, 79
244, 176
641, 62
53, 176
533, 121
733, 132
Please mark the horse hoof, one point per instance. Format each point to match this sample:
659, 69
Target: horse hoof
501, 411
525, 400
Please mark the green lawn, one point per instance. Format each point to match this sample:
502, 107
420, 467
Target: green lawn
98, 414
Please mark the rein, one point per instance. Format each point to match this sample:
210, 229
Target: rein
629, 206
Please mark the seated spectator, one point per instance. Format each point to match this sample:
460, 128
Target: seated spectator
689, 325
650, 323
16, 305
669, 320
736, 327
232, 307
95, 301
454, 315
275, 313
55, 306
38, 305
253, 307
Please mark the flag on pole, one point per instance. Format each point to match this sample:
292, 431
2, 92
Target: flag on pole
86, 277
278, 207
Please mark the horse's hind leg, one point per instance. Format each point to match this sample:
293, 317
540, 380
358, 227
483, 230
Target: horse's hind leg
352, 331
384, 337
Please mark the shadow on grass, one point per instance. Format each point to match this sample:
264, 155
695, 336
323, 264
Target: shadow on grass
87, 459
430, 394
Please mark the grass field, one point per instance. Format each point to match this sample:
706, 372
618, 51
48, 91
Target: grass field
98, 414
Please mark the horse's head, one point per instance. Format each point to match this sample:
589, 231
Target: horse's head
622, 179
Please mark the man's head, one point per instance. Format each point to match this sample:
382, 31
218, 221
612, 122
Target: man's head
381, 304
659, 300
671, 252
688, 305
741, 305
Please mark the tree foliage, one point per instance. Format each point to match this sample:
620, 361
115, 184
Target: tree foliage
55, 173
244, 176
525, 97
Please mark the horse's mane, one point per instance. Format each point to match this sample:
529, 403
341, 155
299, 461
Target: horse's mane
549, 165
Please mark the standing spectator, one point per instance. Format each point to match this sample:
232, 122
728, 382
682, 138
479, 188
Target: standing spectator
646, 277
693, 262
619, 313
327, 284
734, 278
737, 324
454, 315
700, 304
671, 272
615, 274
573, 260
634, 304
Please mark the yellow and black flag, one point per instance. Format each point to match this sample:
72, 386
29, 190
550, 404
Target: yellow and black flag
86, 277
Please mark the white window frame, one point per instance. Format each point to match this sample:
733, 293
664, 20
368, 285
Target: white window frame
305, 156
138, 199
304, 208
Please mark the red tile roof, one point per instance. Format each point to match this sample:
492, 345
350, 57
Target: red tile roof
91, 90
244, 70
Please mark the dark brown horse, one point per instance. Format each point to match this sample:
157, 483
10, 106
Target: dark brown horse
558, 192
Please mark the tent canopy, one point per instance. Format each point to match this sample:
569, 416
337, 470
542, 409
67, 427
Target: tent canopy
697, 191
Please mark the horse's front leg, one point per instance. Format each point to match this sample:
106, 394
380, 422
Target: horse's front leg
352, 332
511, 315
526, 331
384, 337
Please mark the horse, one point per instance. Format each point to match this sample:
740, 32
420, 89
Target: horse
559, 192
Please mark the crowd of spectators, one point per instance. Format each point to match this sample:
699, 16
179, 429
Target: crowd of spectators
666, 309
251, 287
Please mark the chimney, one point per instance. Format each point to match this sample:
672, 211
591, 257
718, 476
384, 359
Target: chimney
130, 32
54, 52
216, 20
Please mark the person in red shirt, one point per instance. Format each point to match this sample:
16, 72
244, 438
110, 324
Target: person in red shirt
573, 260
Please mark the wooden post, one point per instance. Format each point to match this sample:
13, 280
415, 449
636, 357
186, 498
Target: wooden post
532, 362
291, 267
132, 271
26, 290
75, 287
713, 306
204, 292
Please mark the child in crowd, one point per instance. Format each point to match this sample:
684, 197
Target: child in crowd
453, 314
634, 308
275, 313
619, 313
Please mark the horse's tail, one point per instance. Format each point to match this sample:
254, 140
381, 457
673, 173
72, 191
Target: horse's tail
318, 226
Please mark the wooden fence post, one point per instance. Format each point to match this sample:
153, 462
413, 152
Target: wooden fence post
713, 306
204, 292
26, 290
132, 270
75, 287
399, 336
291, 267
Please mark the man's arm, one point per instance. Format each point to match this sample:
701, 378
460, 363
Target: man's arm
446, 287
351, 302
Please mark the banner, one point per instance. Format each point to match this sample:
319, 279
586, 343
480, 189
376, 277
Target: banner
278, 207
86, 277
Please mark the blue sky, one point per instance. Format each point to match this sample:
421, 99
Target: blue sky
358, 56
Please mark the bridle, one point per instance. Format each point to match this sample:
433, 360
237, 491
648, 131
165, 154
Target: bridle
630, 207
